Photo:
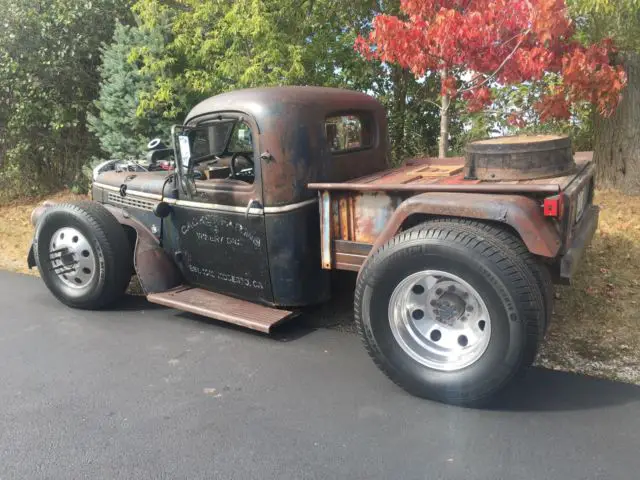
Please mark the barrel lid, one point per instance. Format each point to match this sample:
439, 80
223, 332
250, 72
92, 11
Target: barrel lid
519, 143
519, 157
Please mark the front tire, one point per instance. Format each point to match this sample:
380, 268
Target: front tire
449, 312
83, 255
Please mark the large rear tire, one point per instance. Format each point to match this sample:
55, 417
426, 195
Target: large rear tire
449, 311
516, 248
83, 255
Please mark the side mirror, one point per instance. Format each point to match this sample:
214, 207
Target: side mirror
162, 210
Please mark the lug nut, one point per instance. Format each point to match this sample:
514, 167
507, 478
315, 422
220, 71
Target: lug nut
439, 291
469, 308
451, 288
433, 303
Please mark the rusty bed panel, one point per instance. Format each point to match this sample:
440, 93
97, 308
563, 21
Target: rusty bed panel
350, 255
445, 175
350, 220
366, 211
372, 211
372, 218
357, 217
350, 223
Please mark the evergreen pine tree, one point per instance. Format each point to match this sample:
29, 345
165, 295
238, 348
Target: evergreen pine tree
122, 133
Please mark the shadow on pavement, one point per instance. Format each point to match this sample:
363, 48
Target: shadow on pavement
539, 390
549, 390
131, 303
291, 330
336, 314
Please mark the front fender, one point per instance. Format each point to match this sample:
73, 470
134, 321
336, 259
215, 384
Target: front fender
522, 213
154, 268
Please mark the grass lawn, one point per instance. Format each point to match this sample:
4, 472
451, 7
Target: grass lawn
16, 231
596, 323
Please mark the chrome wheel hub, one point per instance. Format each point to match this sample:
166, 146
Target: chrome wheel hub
72, 257
439, 320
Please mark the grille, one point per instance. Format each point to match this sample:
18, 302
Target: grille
130, 201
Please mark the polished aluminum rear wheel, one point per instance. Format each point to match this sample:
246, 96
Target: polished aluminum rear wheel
439, 320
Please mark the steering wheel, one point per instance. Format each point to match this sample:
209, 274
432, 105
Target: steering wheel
232, 162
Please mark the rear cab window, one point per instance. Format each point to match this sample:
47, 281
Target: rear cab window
349, 132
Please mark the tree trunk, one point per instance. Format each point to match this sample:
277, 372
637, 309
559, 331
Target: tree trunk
443, 144
397, 113
617, 139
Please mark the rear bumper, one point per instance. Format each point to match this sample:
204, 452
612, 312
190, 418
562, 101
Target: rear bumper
570, 261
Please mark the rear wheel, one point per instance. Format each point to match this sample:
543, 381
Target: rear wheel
449, 311
439, 320
83, 255
515, 247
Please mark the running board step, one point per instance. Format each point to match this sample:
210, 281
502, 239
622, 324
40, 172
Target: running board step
221, 307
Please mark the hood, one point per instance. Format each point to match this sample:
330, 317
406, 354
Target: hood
145, 182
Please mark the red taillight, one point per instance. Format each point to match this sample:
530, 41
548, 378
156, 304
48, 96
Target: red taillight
553, 206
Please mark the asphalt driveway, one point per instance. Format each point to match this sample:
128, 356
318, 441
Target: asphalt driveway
145, 392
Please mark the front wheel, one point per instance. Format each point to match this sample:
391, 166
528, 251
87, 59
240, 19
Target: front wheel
449, 312
83, 255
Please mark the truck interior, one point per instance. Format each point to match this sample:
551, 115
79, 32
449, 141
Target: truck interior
222, 150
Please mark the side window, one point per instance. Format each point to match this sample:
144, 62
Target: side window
348, 132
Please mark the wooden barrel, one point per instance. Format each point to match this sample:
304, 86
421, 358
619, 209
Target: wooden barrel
519, 157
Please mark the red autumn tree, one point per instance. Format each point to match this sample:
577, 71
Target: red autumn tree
495, 41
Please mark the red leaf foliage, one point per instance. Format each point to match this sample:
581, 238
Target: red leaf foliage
507, 41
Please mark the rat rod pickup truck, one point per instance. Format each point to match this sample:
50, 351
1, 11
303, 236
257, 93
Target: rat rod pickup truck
275, 187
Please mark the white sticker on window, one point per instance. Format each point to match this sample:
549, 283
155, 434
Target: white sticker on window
185, 151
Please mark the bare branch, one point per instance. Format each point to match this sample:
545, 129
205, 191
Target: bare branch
433, 103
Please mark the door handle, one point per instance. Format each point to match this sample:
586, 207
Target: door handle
253, 203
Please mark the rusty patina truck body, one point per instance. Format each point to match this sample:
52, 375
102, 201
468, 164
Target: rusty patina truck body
276, 187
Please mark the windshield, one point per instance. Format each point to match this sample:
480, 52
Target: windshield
241, 138
214, 139
210, 138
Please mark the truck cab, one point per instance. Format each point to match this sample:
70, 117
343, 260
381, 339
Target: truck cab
248, 225
275, 187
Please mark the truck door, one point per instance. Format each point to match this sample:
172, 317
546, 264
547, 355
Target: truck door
218, 218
